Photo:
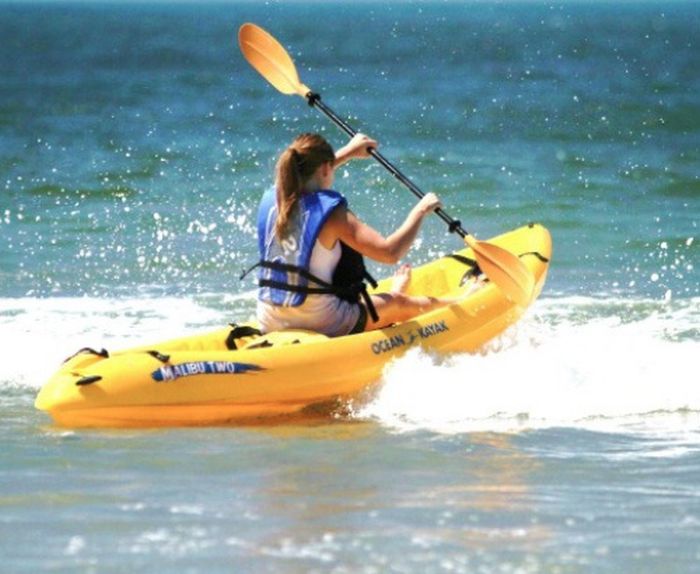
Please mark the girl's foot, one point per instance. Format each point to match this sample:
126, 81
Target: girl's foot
474, 285
402, 277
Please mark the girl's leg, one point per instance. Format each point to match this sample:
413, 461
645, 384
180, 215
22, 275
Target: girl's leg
396, 306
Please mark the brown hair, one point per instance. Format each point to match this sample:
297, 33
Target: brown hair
296, 165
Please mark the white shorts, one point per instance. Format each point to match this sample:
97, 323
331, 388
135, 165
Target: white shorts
325, 314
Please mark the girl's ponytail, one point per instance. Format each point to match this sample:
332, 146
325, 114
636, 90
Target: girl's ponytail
295, 167
289, 189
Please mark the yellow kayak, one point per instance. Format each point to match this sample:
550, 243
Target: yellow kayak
239, 375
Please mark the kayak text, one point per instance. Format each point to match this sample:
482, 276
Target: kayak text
390, 343
171, 372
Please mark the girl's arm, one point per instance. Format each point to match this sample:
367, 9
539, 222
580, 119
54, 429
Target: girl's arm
344, 225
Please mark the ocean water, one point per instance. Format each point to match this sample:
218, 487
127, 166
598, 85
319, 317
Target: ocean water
134, 143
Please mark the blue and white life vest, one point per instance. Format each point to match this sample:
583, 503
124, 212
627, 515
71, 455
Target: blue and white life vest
284, 265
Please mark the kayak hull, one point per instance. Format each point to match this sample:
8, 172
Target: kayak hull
200, 380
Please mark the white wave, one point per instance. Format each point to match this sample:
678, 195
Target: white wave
572, 362
36, 335
575, 361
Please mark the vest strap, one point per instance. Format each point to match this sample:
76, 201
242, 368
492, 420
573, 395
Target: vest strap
349, 293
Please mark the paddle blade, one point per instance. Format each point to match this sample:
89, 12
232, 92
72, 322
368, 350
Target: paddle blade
505, 270
270, 59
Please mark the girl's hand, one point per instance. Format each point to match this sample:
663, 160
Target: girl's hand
357, 147
428, 203
360, 144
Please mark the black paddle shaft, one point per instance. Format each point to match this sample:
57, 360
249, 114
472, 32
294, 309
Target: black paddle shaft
454, 225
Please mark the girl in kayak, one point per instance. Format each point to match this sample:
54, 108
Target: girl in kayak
311, 246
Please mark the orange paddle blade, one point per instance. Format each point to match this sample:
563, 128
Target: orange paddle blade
270, 59
505, 269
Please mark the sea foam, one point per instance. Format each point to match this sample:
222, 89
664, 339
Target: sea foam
564, 365
572, 361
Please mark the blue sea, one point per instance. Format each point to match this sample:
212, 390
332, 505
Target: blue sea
135, 142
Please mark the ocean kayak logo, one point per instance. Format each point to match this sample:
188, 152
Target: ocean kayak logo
388, 344
171, 372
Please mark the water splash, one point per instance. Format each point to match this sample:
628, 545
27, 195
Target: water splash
629, 365
574, 361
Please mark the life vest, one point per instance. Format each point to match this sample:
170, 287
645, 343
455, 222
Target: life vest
284, 277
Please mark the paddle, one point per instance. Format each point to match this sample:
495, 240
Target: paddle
272, 61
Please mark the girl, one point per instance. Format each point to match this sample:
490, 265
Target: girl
310, 245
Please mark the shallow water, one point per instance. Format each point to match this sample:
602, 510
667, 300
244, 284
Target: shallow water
350, 497
134, 143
